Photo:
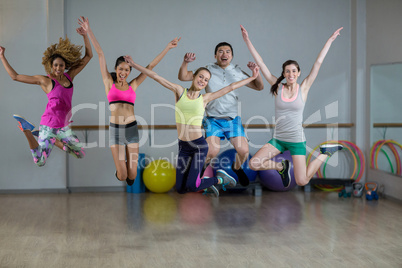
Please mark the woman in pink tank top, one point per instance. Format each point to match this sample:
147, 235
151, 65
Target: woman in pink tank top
121, 93
290, 98
58, 86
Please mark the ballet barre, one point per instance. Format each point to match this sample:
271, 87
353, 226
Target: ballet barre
87, 128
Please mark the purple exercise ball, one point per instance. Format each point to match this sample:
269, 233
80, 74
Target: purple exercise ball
271, 178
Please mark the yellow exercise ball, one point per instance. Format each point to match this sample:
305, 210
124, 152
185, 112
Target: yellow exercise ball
159, 176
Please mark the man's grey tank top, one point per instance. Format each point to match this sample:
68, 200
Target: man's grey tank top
289, 117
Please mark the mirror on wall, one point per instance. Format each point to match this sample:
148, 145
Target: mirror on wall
386, 117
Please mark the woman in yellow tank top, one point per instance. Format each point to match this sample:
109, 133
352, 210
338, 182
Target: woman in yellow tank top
193, 148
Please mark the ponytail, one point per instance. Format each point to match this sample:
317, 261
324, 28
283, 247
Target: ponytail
274, 88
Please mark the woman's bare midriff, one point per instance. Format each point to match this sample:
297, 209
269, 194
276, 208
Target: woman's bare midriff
188, 132
121, 113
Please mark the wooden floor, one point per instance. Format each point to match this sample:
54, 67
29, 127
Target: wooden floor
293, 229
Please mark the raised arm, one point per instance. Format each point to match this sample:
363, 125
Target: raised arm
257, 83
264, 69
177, 89
184, 73
107, 78
308, 81
211, 96
139, 79
88, 54
36, 79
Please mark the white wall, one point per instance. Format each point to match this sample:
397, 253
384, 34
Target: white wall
384, 45
142, 30
280, 30
386, 93
23, 32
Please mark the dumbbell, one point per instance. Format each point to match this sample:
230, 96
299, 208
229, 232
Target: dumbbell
344, 194
371, 190
357, 189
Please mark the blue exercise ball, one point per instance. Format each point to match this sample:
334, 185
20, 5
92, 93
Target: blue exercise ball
225, 160
271, 178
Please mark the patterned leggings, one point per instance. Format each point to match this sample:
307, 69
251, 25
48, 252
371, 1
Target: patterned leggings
48, 137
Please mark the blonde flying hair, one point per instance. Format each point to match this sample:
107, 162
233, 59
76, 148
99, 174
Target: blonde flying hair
69, 52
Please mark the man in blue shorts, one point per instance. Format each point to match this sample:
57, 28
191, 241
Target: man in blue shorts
222, 119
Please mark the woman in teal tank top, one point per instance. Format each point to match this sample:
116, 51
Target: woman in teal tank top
193, 148
290, 98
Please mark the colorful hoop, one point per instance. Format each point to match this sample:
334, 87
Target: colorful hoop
376, 148
358, 158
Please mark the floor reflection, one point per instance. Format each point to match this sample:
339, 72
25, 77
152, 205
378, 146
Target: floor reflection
227, 213
195, 209
236, 215
160, 208
192, 230
134, 212
278, 213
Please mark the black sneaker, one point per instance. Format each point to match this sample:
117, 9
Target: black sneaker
330, 149
285, 173
227, 179
243, 179
129, 182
